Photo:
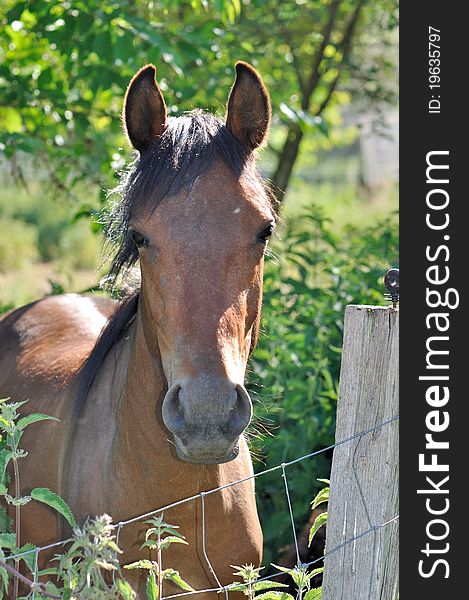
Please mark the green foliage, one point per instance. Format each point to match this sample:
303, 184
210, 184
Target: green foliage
252, 584
12, 427
37, 227
79, 247
45, 496
320, 520
160, 536
322, 495
92, 553
312, 274
18, 244
64, 68
250, 576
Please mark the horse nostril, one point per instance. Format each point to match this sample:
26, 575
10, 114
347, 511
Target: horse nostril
191, 416
173, 415
241, 413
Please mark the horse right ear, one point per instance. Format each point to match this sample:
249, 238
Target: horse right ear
248, 115
144, 113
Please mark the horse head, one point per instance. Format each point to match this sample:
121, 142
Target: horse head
198, 220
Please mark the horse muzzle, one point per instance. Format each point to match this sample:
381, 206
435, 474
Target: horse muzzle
206, 417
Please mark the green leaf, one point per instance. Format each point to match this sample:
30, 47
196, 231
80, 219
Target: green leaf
315, 594
288, 570
142, 564
274, 596
5, 456
315, 572
268, 585
125, 589
50, 498
171, 539
49, 571
15, 13
30, 558
11, 120
5, 521
321, 496
289, 113
174, 576
67, 594
318, 523
8, 540
3, 577
34, 418
152, 587
149, 544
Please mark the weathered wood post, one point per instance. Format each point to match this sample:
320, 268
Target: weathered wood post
364, 478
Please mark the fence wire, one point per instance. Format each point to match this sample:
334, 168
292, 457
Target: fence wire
372, 528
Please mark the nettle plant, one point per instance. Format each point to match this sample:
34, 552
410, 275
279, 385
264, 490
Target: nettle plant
159, 537
92, 551
89, 568
253, 584
12, 427
321, 497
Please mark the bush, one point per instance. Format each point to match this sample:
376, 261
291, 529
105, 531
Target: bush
310, 278
18, 244
80, 247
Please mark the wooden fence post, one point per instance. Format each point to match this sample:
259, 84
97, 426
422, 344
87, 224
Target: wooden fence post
364, 478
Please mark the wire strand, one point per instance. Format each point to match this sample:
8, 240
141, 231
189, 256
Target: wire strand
202, 495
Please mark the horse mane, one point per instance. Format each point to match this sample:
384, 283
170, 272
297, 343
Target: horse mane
112, 332
187, 148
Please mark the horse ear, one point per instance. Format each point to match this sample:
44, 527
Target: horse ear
144, 112
248, 111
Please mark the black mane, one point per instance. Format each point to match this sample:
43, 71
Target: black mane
188, 147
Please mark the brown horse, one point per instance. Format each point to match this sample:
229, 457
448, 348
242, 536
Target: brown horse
149, 391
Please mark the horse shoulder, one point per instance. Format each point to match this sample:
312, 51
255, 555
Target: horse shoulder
47, 341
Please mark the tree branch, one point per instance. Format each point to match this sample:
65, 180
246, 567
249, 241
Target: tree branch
315, 74
344, 48
286, 33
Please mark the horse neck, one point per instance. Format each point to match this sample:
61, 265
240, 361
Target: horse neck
143, 390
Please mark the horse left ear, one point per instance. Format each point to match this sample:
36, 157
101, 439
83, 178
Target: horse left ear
249, 112
144, 112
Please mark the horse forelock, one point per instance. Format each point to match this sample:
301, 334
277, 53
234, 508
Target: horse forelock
187, 149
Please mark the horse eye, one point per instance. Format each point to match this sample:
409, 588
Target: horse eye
264, 235
138, 239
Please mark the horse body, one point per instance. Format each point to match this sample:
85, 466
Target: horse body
117, 459
152, 409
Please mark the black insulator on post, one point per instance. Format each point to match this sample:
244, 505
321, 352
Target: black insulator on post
391, 282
